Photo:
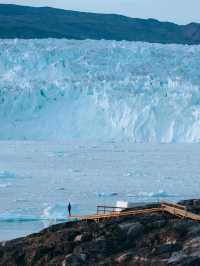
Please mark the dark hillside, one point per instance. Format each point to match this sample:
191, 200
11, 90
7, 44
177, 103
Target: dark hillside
29, 22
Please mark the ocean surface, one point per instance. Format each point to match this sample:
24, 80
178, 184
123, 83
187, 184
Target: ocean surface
37, 179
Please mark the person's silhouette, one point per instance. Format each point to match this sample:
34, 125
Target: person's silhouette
69, 208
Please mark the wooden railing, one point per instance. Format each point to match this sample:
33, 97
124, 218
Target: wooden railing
98, 217
108, 209
179, 212
172, 204
108, 212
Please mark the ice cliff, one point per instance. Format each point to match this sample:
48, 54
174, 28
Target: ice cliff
99, 90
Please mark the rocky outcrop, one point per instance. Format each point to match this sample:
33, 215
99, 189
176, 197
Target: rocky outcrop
153, 239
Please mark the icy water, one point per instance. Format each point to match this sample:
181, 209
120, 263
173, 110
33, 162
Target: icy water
38, 178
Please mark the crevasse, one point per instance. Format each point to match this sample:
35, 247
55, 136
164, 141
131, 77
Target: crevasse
99, 90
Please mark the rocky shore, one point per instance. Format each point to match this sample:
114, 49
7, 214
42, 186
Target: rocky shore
153, 239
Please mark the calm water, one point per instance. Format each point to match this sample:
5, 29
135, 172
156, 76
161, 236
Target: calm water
38, 178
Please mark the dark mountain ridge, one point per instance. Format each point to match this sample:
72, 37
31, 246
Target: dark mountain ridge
45, 22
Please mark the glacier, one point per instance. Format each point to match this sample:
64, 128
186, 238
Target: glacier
99, 90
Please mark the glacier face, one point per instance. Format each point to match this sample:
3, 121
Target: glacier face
99, 90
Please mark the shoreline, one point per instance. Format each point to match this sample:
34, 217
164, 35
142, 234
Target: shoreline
148, 239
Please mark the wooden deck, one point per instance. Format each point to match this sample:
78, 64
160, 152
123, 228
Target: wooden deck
109, 212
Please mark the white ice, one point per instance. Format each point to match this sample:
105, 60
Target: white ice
99, 90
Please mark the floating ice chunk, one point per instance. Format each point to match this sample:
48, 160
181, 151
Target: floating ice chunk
135, 173
5, 185
157, 194
160, 193
21, 200
14, 217
107, 194
60, 188
130, 174
59, 154
70, 170
11, 175
7, 175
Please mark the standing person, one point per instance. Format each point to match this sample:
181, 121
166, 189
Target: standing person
69, 208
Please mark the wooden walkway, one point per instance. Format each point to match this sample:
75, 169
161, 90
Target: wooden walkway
108, 212
180, 212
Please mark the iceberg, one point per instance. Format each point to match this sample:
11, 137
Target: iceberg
7, 175
99, 90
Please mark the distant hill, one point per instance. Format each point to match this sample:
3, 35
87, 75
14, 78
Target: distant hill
30, 22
